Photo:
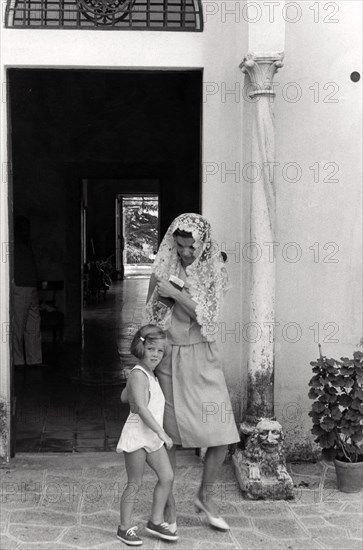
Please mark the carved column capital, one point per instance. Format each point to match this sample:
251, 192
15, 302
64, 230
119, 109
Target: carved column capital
261, 69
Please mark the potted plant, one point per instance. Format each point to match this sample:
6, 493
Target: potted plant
337, 413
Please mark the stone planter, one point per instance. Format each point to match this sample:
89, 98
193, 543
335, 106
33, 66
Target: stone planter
349, 476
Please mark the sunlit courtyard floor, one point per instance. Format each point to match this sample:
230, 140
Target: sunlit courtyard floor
71, 501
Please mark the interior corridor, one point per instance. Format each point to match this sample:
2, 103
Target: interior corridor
73, 403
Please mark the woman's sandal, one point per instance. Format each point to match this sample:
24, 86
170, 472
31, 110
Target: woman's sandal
218, 523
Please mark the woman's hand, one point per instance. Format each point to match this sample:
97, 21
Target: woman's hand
166, 289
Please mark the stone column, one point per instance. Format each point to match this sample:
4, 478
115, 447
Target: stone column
261, 70
260, 468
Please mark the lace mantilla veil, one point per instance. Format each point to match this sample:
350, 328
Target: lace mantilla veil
207, 275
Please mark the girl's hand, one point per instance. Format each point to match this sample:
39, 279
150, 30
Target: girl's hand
167, 440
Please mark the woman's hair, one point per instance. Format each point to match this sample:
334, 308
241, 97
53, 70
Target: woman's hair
146, 334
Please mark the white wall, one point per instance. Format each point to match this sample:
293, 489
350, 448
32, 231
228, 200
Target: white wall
309, 293
218, 50
315, 291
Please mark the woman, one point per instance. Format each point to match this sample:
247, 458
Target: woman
197, 404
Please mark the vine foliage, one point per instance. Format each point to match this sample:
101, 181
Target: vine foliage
337, 411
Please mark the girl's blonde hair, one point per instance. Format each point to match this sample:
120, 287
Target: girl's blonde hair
146, 334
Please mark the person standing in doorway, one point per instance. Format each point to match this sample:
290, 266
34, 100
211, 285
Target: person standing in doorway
191, 376
27, 342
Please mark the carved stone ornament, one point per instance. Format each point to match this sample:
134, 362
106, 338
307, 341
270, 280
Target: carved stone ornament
261, 69
261, 467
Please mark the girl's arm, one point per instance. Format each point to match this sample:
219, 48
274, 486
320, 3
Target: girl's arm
138, 390
167, 290
124, 395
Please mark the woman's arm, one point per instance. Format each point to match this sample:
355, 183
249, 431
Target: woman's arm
167, 290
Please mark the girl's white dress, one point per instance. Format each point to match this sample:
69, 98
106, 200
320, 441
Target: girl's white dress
135, 434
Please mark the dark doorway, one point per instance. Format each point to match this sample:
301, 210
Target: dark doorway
103, 127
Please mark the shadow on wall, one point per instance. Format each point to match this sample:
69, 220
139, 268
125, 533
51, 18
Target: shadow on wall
3, 430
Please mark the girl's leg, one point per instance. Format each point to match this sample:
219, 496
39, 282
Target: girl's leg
212, 463
160, 463
170, 512
135, 465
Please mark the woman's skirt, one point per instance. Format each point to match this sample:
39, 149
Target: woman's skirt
198, 410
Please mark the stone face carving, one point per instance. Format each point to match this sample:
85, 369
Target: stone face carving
261, 467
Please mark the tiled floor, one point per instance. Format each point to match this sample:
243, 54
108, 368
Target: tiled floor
73, 404
71, 502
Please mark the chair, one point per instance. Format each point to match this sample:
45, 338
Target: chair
51, 318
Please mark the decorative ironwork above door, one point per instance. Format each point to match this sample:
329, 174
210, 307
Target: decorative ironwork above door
169, 15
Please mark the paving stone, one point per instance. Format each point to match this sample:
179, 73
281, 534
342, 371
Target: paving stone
222, 491
265, 508
306, 496
306, 468
314, 509
334, 494
88, 489
116, 545
280, 528
45, 546
57, 499
237, 520
192, 474
303, 544
87, 537
34, 533
30, 480
225, 507
356, 533
7, 543
345, 520
105, 501
141, 508
326, 531
20, 500
102, 520
350, 508
69, 472
186, 544
340, 543
313, 521
251, 540
114, 472
186, 492
218, 545
204, 533
4, 516
43, 517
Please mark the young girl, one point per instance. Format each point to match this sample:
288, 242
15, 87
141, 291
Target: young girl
142, 438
